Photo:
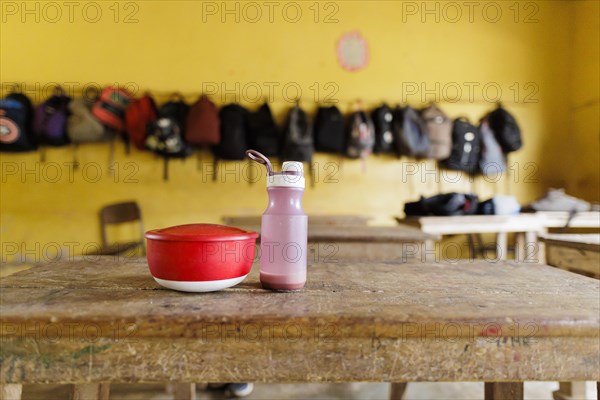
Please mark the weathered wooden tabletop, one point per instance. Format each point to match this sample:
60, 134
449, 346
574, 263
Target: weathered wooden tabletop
105, 319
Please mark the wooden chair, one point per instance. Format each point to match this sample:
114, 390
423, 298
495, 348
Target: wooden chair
115, 214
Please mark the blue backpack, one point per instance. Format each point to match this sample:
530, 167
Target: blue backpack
16, 133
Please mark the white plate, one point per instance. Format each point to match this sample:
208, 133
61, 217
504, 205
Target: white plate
200, 286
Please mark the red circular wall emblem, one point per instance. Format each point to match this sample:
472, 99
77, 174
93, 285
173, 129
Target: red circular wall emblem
352, 51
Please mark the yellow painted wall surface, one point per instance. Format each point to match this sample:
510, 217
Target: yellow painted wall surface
584, 137
464, 57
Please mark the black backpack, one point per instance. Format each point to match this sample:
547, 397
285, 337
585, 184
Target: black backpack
466, 147
443, 205
330, 136
410, 138
234, 136
298, 137
177, 110
361, 135
16, 133
384, 138
165, 134
263, 132
506, 129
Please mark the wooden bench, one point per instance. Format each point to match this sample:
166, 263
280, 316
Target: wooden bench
574, 252
561, 219
331, 243
526, 227
579, 253
316, 220
92, 322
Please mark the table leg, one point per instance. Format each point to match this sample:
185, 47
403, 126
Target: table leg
11, 391
428, 252
397, 390
504, 391
520, 246
91, 391
569, 391
184, 391
531, 248
501, 246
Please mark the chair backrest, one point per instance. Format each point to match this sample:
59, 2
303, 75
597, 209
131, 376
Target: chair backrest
120, 213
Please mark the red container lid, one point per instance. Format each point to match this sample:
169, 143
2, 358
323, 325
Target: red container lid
200, 233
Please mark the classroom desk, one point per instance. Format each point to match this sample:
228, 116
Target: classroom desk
561, 219
574, 252
526, 226
89, 323
331, 243
334, 220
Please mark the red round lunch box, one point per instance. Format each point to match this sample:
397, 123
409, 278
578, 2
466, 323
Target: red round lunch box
200, 257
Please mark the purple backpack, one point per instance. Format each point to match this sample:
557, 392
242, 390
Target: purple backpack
50, 120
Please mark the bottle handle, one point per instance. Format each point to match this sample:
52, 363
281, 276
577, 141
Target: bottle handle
261, 159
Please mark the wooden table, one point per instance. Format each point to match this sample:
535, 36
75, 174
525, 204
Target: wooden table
331, 243
106, 320
335, 220
526, 226
561, 219
574, 252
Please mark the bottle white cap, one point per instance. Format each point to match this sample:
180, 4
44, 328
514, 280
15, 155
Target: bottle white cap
284, 180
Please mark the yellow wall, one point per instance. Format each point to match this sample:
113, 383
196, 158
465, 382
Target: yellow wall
174, 45
584, 137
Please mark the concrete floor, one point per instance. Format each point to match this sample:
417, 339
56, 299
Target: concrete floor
353, 391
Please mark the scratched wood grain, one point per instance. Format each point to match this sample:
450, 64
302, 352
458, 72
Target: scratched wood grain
104, 319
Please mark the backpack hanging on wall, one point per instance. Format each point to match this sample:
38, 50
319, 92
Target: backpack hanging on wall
110, 111
165, 139
409, 133
329, 130
16, 133
298, 142
263, 133
384, 138
50, 120
492, 161
298, 137
466, 147
165, 135
140, 113
233, 132
111, 106
177, 110
506, 129
82, 126
202, 126
361, 135
438, 128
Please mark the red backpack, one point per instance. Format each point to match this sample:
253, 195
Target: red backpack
202, 127
110, 108
139, 114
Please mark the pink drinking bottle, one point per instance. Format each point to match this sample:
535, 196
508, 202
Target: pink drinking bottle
284, 228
